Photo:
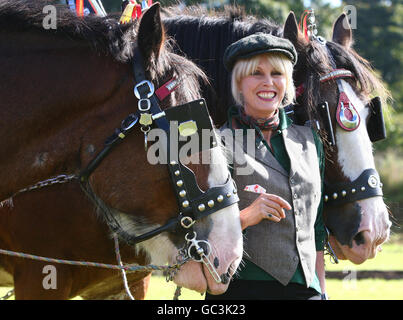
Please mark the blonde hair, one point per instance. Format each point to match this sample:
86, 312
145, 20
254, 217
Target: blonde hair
246, 67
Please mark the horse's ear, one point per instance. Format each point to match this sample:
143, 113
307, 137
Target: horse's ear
342, 33
291, 31
150, 36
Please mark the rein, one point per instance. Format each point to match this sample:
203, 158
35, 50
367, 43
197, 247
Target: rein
170, 269
128, 267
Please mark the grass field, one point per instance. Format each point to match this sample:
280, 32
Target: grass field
391, 258
370, 289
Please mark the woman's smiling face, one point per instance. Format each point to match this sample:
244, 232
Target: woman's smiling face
263, 90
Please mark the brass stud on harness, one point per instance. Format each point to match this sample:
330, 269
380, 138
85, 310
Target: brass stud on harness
185, 204
179, 183
177, 173
182, 193
326, 198
353, 190
335, 195
362, 188
228, 195
173, 162
343, 193
210, 203
220, 198
201, 207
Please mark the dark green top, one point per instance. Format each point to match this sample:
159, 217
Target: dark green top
251, 271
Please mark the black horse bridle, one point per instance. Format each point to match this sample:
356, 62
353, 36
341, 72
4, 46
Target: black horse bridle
368, 184
194, 204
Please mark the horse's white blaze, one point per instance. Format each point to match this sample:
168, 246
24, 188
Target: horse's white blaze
355, 154
158, 249
354, 147
227, 229
225, 237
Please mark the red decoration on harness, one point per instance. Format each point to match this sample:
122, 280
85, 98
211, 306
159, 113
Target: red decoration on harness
137, 11
302, 26
80, 8
166, 89
133, 11
347, 116
85, 7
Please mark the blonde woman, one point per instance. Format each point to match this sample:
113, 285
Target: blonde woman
283, 226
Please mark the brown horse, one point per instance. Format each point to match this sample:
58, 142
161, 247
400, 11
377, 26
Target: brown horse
56, 122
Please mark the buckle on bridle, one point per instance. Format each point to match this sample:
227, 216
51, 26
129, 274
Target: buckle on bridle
187, 222
144, 105
142, 83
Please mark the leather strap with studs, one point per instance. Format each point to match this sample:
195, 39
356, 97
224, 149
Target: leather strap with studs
367, 185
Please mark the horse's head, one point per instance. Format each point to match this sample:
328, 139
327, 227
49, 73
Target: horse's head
333, 72
168, 210
60, 118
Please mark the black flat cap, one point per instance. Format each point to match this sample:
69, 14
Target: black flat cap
257, 44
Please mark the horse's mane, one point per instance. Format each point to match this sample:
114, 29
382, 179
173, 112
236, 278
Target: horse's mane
102, 33
205, 34
369, 82
207, 23
313, 62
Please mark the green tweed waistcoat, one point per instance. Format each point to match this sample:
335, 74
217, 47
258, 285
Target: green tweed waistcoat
278, 247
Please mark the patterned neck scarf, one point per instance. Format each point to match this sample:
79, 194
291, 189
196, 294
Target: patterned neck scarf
271, 123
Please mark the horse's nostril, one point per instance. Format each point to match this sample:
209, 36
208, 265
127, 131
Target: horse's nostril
225, 278
216, 262
359, 238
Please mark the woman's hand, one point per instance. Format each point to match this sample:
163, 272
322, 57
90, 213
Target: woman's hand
266, 206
